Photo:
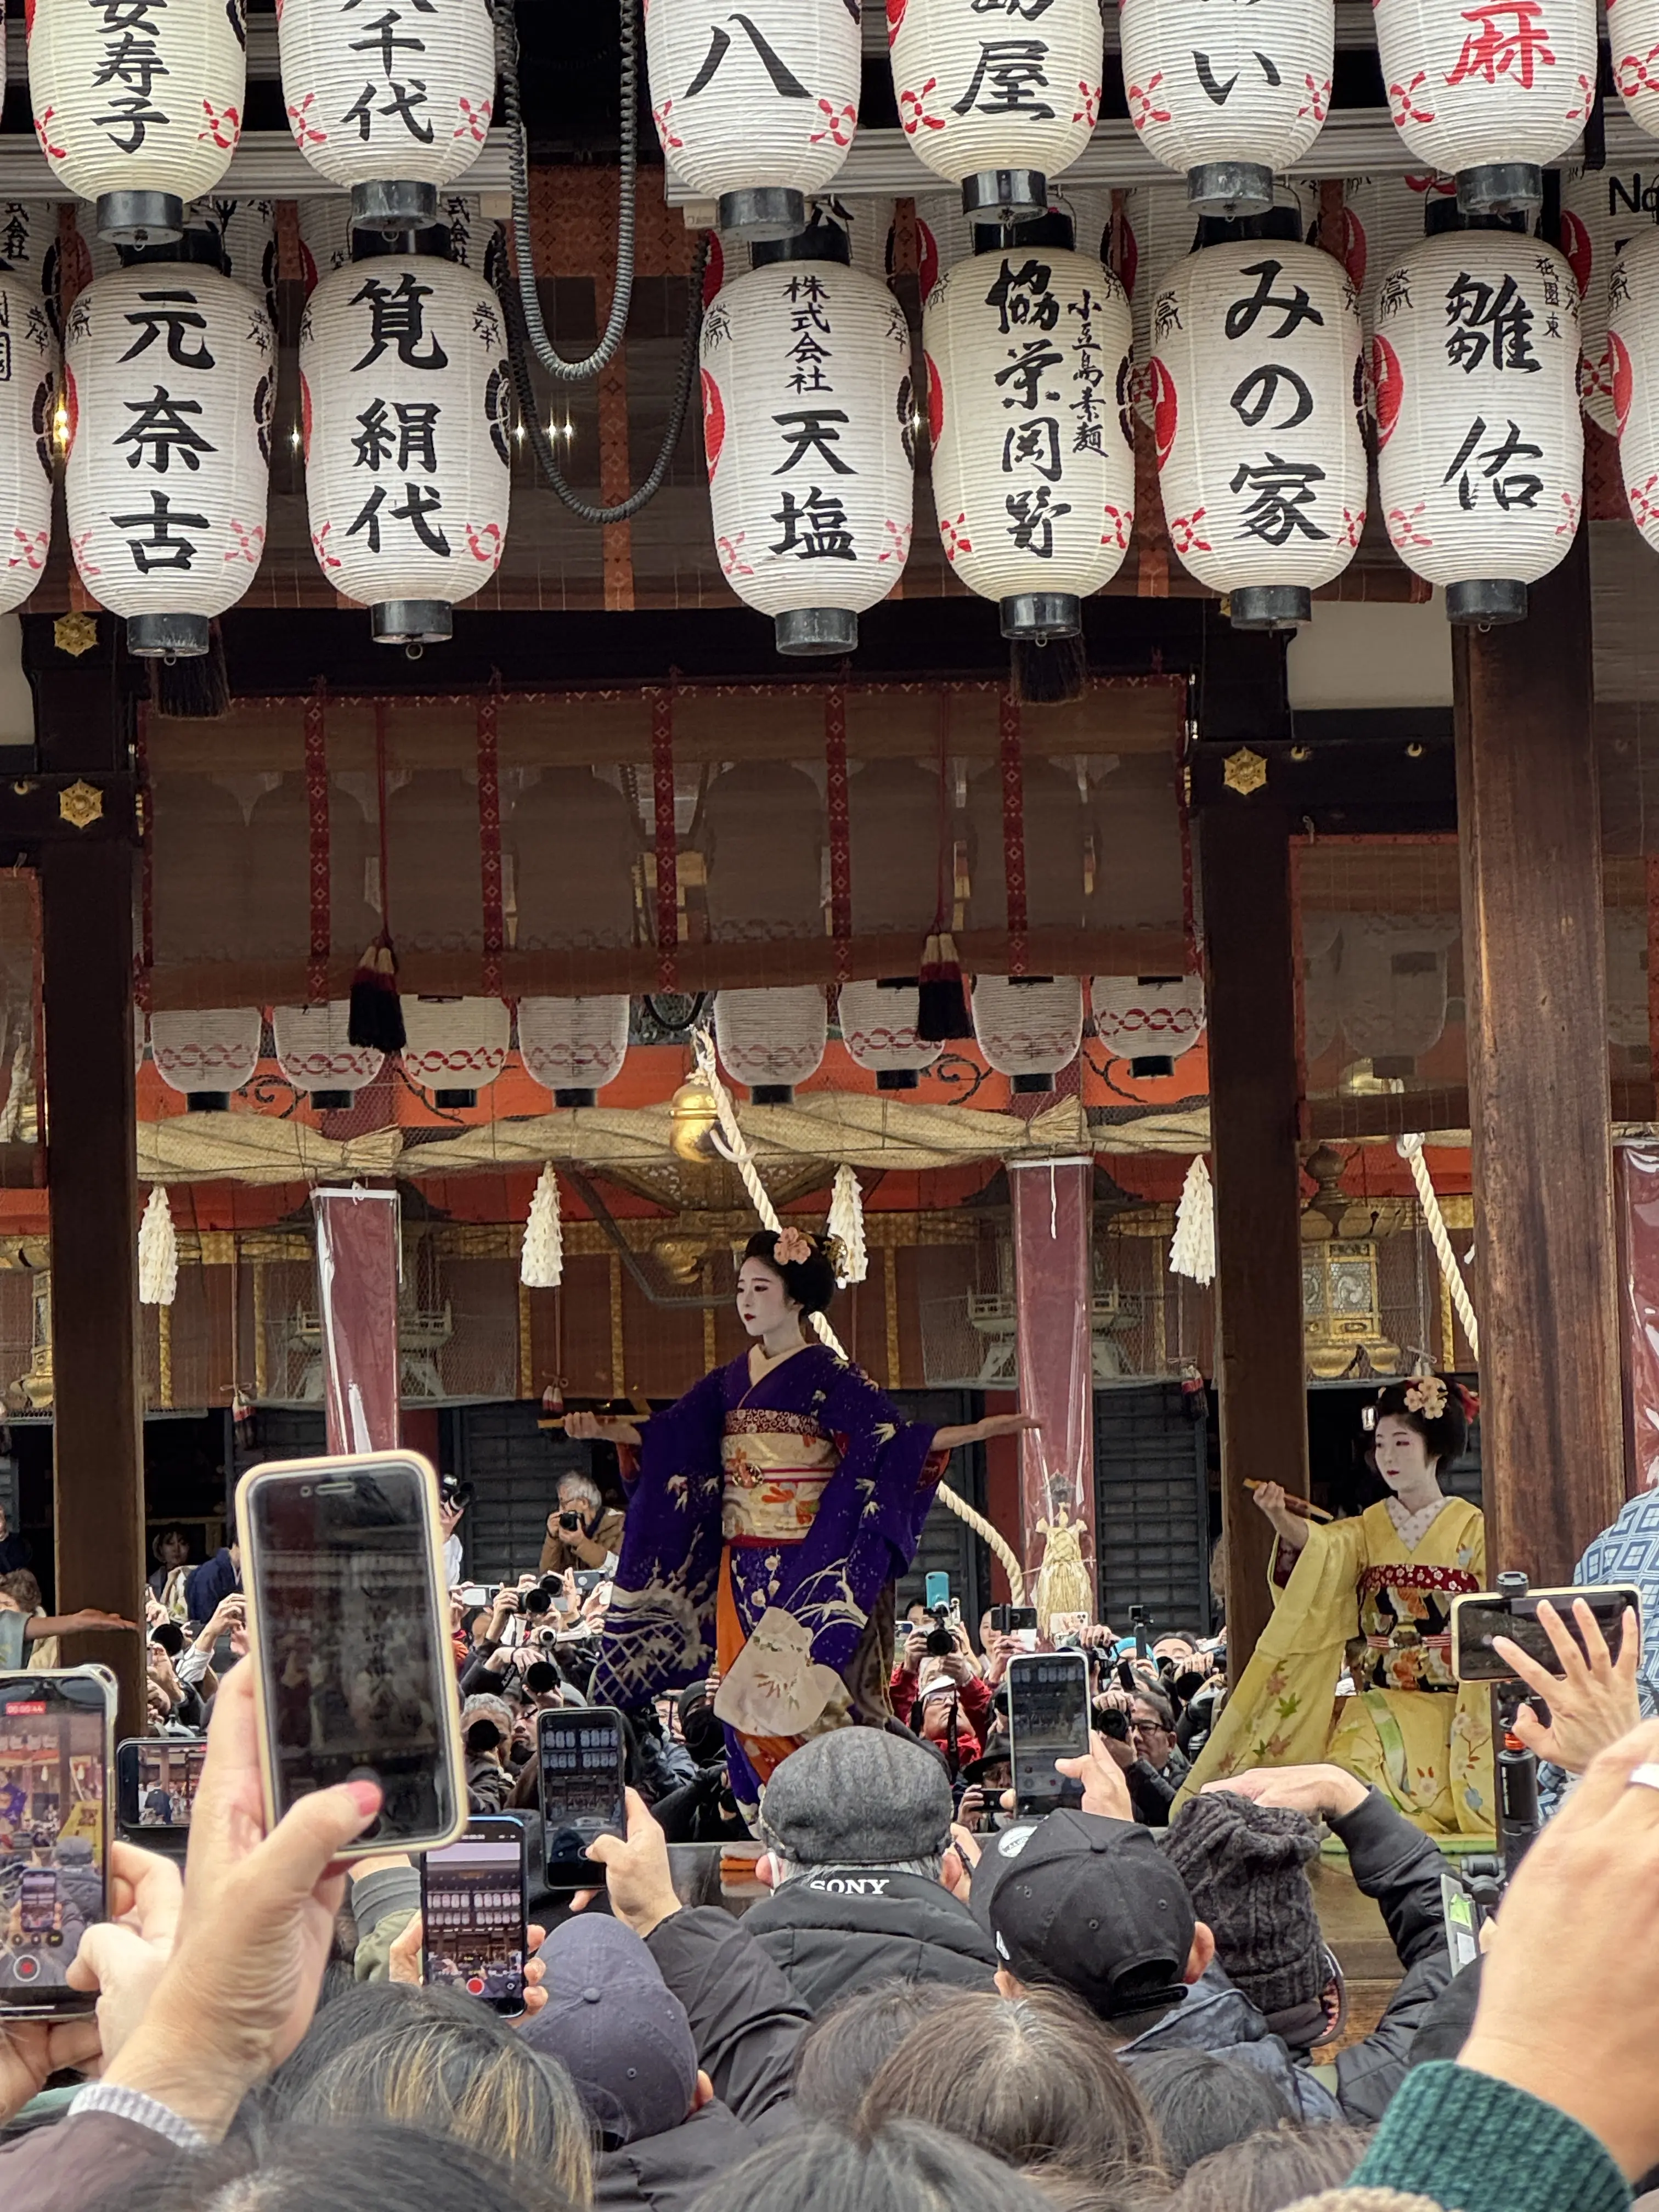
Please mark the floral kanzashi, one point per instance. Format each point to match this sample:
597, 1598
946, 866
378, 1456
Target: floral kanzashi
791, 1249
1426, 1396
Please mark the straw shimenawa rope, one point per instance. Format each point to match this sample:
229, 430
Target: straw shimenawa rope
732, 1146
1410, 1151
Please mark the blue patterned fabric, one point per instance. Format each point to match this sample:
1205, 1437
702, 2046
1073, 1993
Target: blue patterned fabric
1629, 1552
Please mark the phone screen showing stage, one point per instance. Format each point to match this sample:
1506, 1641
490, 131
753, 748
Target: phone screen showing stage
473, 1904
355, 1661
54, 1736
1047, 1719
168, 1776
581, 1778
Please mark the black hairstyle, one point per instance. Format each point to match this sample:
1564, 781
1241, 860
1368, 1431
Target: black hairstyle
160, 1536
1205, 2100
1158, 1699
1446, 1433
335, 2169
1271, 2169
810, 1282
847, 2045
904, 2166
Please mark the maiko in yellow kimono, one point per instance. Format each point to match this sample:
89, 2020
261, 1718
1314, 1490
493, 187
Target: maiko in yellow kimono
1361, 1596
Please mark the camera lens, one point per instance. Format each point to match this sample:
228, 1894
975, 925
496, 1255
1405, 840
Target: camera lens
941, 1643
537, 1601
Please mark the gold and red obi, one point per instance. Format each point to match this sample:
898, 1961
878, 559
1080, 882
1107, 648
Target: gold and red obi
776, 1465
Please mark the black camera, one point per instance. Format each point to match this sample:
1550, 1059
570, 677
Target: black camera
1113, 1721
570, 1521
536, 1600
940, 1640
1010, 1619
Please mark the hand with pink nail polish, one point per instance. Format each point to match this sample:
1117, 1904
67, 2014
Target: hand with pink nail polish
254, 1932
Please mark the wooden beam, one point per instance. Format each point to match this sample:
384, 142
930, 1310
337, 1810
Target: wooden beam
1534, 969
1244, 852
82, 728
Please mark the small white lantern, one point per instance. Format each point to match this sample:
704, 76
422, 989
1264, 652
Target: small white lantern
1258, 392
1230, 95
1481, 443
771, 1040
455, 1048
393, 101
404, 387
1633, 49
138, 104
315, 1052
1602, 210
574, 1046
1028, 392
1000, 100
878, 1028
206, 1055
169, 373
755, 109
1029, 1027
1150, 1021
28, 399
1489, 93
1383, 220
807, 408
1632, 319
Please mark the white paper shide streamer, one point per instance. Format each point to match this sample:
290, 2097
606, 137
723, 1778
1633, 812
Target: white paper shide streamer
999, 102
1028, 395
1191, 1250
169, 377
541, 1262
1480, 442
847, 1223
28, 393
1231, 94
158, 1252
138, 104
404, 385
1257, 396
393, 101
806, 410
755, 108
1489, 93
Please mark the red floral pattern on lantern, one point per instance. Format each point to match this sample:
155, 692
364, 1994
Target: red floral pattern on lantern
1143, 106
1402, 102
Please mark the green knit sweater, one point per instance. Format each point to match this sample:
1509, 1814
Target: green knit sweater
1474, 2144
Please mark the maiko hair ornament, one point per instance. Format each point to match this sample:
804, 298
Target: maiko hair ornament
1427, 1396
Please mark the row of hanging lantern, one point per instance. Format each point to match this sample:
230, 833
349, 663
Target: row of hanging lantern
770, 1040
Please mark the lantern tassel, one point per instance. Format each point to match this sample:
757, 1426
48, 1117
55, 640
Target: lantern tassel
1191, 1250
541, 1263
941, 1003
846, 1227
1049, 672
376, 1022
158, 1252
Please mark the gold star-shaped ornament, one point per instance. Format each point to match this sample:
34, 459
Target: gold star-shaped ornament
1244, 772
81, 805
75, 634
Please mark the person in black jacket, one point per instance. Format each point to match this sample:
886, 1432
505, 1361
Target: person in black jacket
861, 1864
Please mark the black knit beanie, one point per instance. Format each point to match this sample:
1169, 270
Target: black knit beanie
1243, 1864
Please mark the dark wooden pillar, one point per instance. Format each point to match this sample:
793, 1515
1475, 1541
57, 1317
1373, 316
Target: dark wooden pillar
1243, 838
1534, 973
82, 728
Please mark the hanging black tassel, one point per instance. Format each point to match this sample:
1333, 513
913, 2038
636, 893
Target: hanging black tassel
1049, 674
942, 1015
377, 1013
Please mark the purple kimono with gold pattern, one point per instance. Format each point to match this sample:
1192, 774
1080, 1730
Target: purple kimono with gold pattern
816, 1490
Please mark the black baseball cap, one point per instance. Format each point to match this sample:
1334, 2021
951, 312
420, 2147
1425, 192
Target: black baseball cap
1093, 1904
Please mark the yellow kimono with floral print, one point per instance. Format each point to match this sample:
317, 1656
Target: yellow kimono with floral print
1358, 1598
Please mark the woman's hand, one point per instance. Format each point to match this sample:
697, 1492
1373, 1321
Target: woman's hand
1593, 1701
1291, 1528
404, 1963
588, 1429
981, 1432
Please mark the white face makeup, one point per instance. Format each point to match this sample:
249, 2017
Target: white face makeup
763, 1303
1402, 1458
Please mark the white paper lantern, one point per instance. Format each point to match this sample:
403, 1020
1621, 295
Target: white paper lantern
878, 1028
755, 109
1382, 219
455, 1047
1480, 455
1258, 391
772, 1040
404, 385
29, 396
207, 1054
1028, 394
997, 101
1029, 1027
1633, 49
169, 372
807, 408
244, 233
138, 104
29, 240
1601, 211
393, 101
1148, 1020
1391, 985
574, 1046
1230, 95
315, 1054
1489, 93
1632, 319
